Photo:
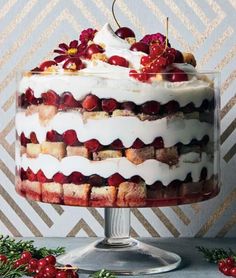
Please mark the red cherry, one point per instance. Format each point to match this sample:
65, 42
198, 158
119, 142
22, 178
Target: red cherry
178, 57
118, 61
117, 144
150, 107
229, 261
49, 271
96, 180
177, 75
140, 46
23, 175
91, 103
19, 263
26, 256
70, 137
42, 263
115, 179
33, 264
53, 136
59, 178
92, 145
156, 50
41, 177
51, 259
33, 138
76, 178
47, 64
135, 179
23, 140
226, 270
128, 105
171, 107
93, 49
138, 144
109, 105
73, 64
125, 32
61, 274
233, 271
158, 143
146, 60
29, 94
133, 73
30, 175
68, 101
50, 98
3, 258
74, 275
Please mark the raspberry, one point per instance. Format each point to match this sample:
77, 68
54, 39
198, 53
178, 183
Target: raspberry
70, 137
91, 103
76, 178
150, 107
115, 180
138, 144
50, 98
109, 105
92, 145
60, 178
41, 177
67, 101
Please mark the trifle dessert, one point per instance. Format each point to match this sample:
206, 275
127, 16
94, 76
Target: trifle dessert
113, 121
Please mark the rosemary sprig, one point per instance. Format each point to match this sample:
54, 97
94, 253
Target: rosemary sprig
8, 271
216, 254
103, 274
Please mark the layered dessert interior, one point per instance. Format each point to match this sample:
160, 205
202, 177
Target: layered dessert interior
117, 122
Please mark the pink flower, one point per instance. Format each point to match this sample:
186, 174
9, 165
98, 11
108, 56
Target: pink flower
155, 38
87, 35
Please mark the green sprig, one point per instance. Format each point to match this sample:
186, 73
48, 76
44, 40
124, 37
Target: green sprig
103, 274
216, 254
8, 271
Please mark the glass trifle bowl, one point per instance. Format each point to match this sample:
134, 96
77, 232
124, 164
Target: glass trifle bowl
102, 139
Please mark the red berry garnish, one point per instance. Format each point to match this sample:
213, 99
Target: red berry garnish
68, 101
91, 103
171, 107
19, 263
33, 138
53, 136
115, 179
156, 50
73, 64
42, 263
3, 258
125, 32
150, 107
229, 261
93, 49
41, 177
118, 61
70, 137
109, 105
29, 94
177, 75
49, 271
51, 259
133, 73
30, 175
92, 145
24, 140
50, 98
158, 143
61, 274
47, 64
87, 35
33, 264
26, 256
59, 178
233, 271
76, 178
146, 60
74, 275
138, 144
140, 46
117, 144
226, 270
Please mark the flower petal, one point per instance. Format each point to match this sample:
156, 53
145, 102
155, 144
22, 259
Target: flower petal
63, 46
60, 58
59, 51
73, 44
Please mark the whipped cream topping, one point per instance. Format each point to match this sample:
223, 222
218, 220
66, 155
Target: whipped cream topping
151, 170
127, 129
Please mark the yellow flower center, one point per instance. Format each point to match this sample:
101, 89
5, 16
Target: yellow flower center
72, 51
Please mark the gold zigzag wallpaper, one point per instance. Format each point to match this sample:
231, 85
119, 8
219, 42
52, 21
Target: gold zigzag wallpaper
29, 30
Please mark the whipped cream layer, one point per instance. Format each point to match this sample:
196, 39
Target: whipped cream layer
121, 87
151, 170
127, 129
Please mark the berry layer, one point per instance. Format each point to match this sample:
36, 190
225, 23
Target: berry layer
173, 129
150, 170
121, 87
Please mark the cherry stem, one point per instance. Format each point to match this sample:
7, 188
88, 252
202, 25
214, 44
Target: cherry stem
113, 13
167, 31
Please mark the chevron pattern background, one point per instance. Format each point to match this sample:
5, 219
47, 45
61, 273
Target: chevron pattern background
29, 30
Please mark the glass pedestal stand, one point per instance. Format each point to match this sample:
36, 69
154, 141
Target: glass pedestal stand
120, 253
